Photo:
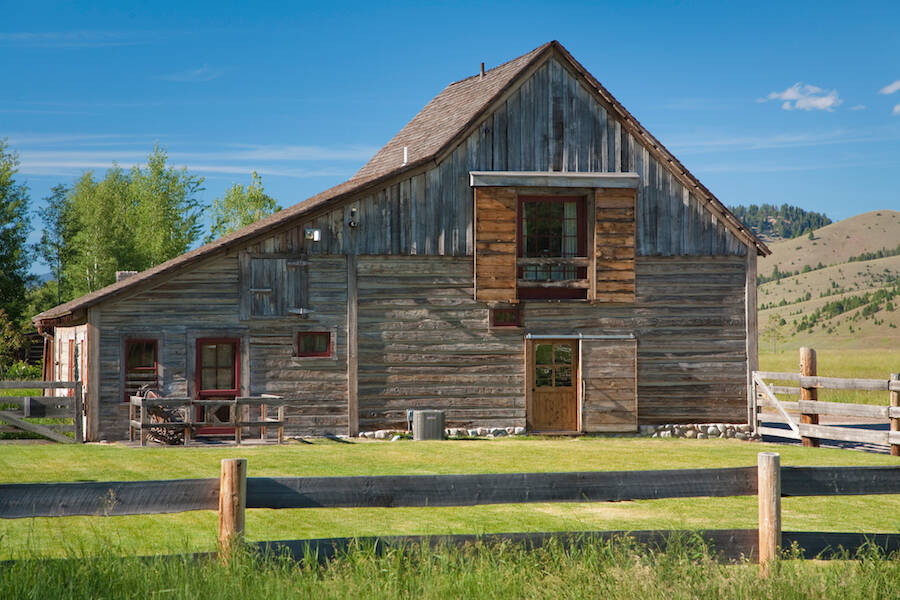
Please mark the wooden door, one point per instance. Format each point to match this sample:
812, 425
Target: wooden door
552, 379
218, 382
609, 375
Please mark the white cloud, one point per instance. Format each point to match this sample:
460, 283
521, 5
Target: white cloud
890, 88
78, 38
70, 154
802, 96
896, 110
201, 74
858, 107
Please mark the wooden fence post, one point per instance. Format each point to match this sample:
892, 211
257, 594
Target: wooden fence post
808, 367
78, 419
769, 498
232, 504
895, 422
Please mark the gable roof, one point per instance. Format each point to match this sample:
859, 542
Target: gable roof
438, 127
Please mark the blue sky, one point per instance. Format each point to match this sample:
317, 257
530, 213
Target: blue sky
793, 102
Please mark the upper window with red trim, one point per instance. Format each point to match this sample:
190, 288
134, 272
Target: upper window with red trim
314, 343
140, 366
552, 247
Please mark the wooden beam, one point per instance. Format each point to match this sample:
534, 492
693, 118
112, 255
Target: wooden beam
532, 179
839, 481
91, 378
895, 422
35, 428
232, 504
34, 385
560, 283
751, 328
769, 501
352, 347
844, 434
808, 394
501, 488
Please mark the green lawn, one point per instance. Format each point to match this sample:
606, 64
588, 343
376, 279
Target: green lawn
196, 530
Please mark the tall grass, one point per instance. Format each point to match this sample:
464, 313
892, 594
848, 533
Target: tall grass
596, 569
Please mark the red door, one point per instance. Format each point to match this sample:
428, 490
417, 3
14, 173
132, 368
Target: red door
218, 378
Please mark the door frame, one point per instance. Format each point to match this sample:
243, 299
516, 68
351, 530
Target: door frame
530, 340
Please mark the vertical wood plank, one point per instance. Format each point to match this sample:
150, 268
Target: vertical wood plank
751, 331
232, 504
542, 116
352, 347
92, 379
406, 217
499, 147
77, 419
808, 367
397, 220
769, 499
528, 133
652, 207
604, 140
895, 422
513, 133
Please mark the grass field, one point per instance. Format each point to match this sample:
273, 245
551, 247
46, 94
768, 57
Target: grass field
597, 570
153, 534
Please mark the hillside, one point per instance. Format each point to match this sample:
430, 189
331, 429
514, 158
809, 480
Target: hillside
835, 243
833, 301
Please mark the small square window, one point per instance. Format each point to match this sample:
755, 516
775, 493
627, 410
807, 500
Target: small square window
506, 316
314, 343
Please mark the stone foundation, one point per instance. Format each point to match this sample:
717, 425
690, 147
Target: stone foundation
699, 431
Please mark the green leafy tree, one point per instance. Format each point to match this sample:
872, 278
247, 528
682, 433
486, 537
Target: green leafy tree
14, 225
240, 207
128, 221
774, 331
11, 342
59, 229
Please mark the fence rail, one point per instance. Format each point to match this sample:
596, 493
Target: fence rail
30, 407
764, 394
153, 497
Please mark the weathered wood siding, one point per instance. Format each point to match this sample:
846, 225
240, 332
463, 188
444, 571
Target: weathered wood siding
550, 123
690, 324
205, 302
609, 371
424, 342
495, 244
614, 227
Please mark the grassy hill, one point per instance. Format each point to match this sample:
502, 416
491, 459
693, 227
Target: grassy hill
833, 293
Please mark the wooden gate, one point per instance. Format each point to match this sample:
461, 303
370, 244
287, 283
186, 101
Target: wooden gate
69, 408
609, 385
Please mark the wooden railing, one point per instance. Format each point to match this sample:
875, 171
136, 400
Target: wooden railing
180, 414
233, 492
30, 407
550, 262
807, 429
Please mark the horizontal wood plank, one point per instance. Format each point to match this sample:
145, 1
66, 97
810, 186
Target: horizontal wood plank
839, 481
469, 490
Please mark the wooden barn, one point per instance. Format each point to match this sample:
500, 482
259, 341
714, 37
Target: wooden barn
522, 253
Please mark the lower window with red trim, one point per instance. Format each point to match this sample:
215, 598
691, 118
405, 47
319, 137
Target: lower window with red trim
313, 343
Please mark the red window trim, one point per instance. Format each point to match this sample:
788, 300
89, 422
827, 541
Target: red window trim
155, 343
535, 293
515, 323
198, 371
302, 334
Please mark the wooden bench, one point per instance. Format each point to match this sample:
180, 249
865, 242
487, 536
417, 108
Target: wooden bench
243, 411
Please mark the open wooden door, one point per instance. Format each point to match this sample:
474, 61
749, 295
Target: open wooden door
552, 385
609, 385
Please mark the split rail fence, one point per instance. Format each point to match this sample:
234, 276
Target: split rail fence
234, 492
68, 407
764, 394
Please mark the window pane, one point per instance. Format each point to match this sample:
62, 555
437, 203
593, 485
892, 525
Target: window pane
543, 377
307, 345
208, 355
543, 355
563, 377
208, 379
321, 340
140, 354
225, 379
562, 354
225, 355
